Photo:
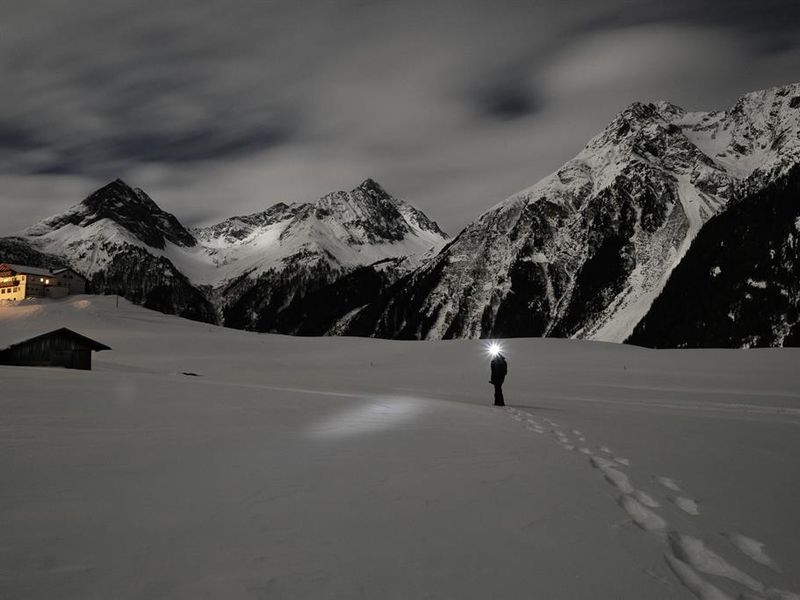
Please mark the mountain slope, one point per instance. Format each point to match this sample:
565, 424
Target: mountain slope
585, 252
311, 247
739, 284
245, 271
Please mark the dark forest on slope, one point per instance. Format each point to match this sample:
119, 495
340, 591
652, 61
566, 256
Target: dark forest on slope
739, 284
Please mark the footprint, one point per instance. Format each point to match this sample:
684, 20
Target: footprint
645, 499
605, 449
600, 463
696, 584
618, 479
668, 483
641, 515
687, 505
751, 548
694, 552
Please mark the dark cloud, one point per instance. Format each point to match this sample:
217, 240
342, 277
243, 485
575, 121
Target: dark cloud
14, 138
167, 147
507, 102
220, 107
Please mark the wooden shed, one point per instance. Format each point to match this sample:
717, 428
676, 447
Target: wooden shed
59, 348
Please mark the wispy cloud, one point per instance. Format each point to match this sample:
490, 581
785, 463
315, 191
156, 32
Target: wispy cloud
225, 107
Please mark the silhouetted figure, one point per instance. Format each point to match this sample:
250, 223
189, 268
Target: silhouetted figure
499, 370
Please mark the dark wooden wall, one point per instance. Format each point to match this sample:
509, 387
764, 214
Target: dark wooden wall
57, 350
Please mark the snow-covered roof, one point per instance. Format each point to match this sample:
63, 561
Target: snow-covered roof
10, 338
29, 270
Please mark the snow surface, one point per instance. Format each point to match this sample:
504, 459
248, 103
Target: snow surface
203, 462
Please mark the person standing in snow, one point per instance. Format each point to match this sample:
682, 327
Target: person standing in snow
499, 369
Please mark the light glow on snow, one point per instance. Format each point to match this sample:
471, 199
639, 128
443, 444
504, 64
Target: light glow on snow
379, 414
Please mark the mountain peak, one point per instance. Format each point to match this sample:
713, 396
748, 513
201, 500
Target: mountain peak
129, 208
118, 193
369, 185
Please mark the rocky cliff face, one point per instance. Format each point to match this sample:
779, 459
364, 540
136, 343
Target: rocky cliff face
586, 251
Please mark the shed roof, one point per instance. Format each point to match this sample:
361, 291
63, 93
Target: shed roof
9, 339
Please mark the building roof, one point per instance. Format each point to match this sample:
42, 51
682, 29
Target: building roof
28, 270
9, 339
64, 270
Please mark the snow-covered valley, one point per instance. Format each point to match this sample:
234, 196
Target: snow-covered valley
201, 462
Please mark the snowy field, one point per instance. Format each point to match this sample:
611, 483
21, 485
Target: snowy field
351, 468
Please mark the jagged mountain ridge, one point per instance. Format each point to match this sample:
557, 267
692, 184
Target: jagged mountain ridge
585, 252
345, 229
122, 241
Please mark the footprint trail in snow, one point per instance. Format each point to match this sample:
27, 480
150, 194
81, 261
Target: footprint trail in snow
688, 557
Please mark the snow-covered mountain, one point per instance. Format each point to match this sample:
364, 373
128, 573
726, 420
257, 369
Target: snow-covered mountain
244, 271
269, 265
121, 241
585, 251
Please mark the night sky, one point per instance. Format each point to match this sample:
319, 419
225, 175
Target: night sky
223, 108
